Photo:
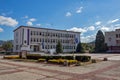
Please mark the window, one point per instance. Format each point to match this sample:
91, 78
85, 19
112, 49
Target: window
25, 41
117, 41
45, 40
16, 47
31, 40
37, 33
31, 33
34, 39
40, 39
109, 39
16, 34
34, 32
40, 33
37, 39
51, 46
116, 35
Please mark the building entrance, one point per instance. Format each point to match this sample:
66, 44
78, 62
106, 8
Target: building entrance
36, 48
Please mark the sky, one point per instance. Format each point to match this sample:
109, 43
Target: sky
85, 16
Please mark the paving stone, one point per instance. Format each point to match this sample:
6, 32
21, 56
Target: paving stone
7, 70
62, 77
21, 76
42, 72
49, 79
106, 70
108, 76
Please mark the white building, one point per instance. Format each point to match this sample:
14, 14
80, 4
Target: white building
113, 40
43, 39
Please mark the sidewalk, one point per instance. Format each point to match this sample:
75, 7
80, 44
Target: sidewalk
11, 70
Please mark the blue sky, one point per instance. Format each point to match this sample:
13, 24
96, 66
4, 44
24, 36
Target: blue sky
85, 16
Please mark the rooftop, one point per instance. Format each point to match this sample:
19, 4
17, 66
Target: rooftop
44, 28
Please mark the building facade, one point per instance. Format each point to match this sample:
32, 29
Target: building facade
43, 39
113, 40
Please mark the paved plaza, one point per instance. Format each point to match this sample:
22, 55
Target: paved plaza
105, 70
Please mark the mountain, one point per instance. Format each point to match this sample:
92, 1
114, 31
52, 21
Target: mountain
92, 43
2, 41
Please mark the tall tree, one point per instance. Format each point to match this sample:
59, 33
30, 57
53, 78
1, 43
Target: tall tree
79, 48
59, 47
7, 46
100, 45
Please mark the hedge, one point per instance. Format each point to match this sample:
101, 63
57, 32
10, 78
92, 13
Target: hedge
33, 56
61, 61
81, 58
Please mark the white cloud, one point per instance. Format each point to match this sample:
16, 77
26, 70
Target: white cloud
98, 23
117, 25
103, 28
113, 21
32, 19
68, 14
75, 29
86, 39
1, 30
29, 23
91, 28
79, 10
8, 21
38, 25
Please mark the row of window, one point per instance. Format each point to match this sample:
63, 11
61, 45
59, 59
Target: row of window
118, 42
117, 35
50, 47
54, 46
52, 40
52, 34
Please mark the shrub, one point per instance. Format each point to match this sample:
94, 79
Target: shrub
57, 57
83, 58
93, 61
78, 63
105, 59
72, 61
2, 52
61, 61
41, 60
11, 57
54, 61
33, 56
68, 57
8, 53
78, 58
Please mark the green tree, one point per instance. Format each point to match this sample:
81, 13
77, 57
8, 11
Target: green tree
59, 47
7, 46
100, 45
79, 48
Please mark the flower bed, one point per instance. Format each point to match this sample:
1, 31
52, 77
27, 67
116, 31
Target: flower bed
61, 61
41, 60
11, 57
81, 58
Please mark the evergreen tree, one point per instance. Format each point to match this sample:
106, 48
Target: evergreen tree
79, 48
100, 45
59, 47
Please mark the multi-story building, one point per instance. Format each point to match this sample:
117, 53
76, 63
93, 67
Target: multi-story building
43, 39
113, 40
